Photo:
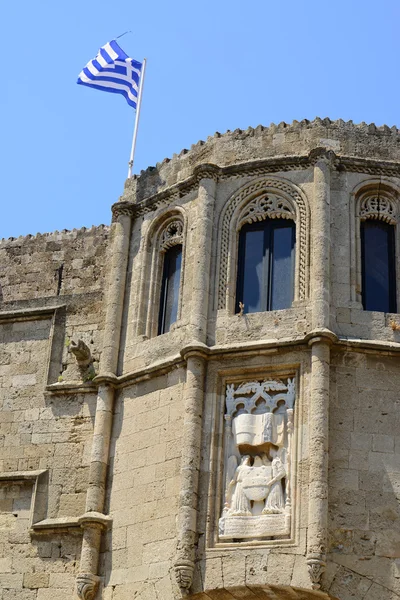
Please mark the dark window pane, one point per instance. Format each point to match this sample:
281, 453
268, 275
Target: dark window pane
170, 289
254, 284
378, 266
282, 267
265, 265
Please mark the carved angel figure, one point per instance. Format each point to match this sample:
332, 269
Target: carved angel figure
239, 504
275, 502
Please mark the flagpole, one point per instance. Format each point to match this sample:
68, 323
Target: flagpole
135, 130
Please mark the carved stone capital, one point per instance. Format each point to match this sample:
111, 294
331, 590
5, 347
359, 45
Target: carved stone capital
184, 573
206, 171
95, 519
323, 155
87, 585
122, 208
316, 567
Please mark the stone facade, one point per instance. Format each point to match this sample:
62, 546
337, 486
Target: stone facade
238, 455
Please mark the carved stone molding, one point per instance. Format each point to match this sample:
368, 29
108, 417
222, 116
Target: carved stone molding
87, 585
184, 573
171, 235
262, 592
380, 206
316, 567
286, 199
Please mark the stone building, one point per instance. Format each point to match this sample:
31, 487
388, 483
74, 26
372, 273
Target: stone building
202, 399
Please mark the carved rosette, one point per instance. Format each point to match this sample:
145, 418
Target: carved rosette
316, 567
172, 235
184, 573
87, 585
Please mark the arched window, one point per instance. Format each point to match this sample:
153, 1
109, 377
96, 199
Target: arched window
169, 297
378, 266
279, 274
377, 211
266, 265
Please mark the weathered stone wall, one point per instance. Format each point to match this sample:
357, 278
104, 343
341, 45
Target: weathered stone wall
364, 476
144, 488
52, 289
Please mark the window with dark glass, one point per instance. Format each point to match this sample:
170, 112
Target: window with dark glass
266, 265
378, 266
169, 298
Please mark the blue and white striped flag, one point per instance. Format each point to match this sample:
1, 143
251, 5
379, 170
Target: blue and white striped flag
113, 71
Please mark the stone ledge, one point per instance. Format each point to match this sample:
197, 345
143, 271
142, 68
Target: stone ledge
58, 524
54, 389
29, 314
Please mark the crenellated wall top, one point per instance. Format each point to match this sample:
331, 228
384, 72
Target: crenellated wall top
262, 149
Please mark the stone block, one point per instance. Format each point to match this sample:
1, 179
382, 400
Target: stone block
36, 580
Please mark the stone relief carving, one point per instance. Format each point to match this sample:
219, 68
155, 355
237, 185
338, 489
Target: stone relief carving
171, 235
257, 467
376, 206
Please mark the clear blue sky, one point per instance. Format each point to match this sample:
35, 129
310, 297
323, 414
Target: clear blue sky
212, 66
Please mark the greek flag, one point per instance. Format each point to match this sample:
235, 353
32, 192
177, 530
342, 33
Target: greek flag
113, 71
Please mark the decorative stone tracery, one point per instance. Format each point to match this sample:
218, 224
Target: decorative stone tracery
172, 235
258, 460
267, 206
378, 206
260, 199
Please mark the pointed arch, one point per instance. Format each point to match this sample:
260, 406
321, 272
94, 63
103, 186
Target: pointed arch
266, 197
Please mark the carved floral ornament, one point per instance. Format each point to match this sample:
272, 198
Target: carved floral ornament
171, 235
258, 460
378, 206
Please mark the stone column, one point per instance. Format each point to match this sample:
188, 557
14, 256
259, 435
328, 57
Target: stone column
190, 467
120, 238
320, 340
93, 522
318, 453
321, 238
207, 177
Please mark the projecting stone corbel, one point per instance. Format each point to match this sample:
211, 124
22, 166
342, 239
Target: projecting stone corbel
316, 567
84, 359
184, 570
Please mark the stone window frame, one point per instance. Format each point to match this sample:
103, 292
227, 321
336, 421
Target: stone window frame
364, 207
167, 230
249, 204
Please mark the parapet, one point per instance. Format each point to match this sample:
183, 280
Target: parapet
284, 140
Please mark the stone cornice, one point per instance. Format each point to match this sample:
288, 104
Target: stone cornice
254, 168
244, 349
